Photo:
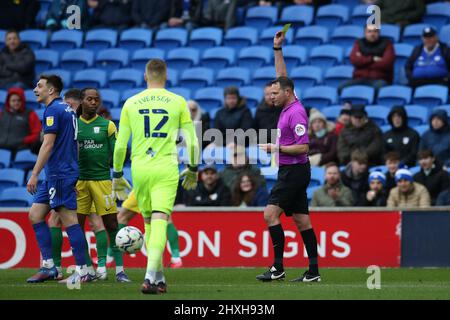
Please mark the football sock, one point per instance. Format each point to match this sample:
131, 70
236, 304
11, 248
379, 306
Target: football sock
102, 246
277, 235
156, 244
172, 237
110, 253
78, 243
57, 242
119, 269
87, 255
118, 258
147, 228
44, 239
310, 241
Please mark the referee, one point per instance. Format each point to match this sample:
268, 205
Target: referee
289, 193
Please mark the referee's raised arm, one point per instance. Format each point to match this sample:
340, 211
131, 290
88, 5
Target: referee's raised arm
280, 65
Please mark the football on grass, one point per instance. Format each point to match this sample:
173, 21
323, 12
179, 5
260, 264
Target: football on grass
129, 239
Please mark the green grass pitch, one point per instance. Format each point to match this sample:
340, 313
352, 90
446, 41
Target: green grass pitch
240, 284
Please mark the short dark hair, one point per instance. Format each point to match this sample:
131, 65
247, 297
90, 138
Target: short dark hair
331, 164
284, 83
360, 157
53, 80
73, 94
12, 31
156, 69
83, 92
231, 90
422, 154
392, 156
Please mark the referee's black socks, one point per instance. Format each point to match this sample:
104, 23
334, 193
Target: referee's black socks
310, 241
277, 235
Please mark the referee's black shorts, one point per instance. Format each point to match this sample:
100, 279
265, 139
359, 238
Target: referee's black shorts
289, 192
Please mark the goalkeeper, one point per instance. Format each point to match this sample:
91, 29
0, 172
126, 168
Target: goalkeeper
153, 118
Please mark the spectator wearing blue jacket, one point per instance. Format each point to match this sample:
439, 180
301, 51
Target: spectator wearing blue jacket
246, 193
57, 14
437, 138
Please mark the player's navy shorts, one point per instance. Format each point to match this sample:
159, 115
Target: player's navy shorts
289, 192
57, 193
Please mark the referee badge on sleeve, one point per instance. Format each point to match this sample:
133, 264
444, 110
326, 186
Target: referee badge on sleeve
49, 121
300, 130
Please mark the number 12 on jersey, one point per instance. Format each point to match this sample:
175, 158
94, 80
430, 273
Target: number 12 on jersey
156, 130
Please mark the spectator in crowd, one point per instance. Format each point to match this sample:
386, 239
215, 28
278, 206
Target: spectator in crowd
220, 13
201, 120
362, 134
57, 14
111, 13
392, 163
18, 15
433, 177
150, 14
17, 63
437, 138
401, 12
408, 194
246, 194
322, 140
401, 138
429, 62
184, 13
210, 191
344, 118
373, 60
444, 198
377, 195
266, 117
234, 115
333, 193
19, 127
355, 176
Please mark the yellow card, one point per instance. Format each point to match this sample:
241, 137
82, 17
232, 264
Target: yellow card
286, 28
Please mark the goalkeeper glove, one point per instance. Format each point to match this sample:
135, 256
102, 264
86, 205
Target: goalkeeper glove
119, 186
190, 175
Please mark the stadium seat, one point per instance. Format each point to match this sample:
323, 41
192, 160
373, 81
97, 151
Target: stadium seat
359, 15
417, 115
414, 169
45, 59
332, 15
266, 36
254, 57
110, 98
347, 53
30, 100
209, 98
112, 59
336, 75
218, 58
326, 56
40, 113
331, 112
99, 39
140, 57
205, 38
412, 34
317, 176
437, 14
115, 115
306, 76
185, 93
135, 39
258, 156
2, 38
234, 76
212, 113
385, 128
11, 178
263, 75
345, 36
311, 36
129, 93
240, 37
297, 15
444, 34
64, 40
422, 129
261, 17
216, 154
254, 95
24, 160
402, 53
41, 176
124, 79
95, 78
183, 58
171, 38
390, 31
378, 114
270, 173
358, 94
196, 78
319, 96
65, 75
394, 95
77, 59
310, 191
172, 77
15, 197
430, 95
3, 95
36, 39
294, 56
5, 158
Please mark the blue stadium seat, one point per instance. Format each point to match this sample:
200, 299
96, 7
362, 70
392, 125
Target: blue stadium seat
359, 15
185, 93
205, 38
65, 75
311, 36
124, 79
317, 176
209, 98
213, 112
90, 78
438, 14
140, 57
112, 59
345, 36
172, 77
445, 107
183, 58
306, 76
15, 197
358, 94
336, 75
263, 75
297, 15
294, 56
254, 95
417, 115
266, 36
394, 95
430, 95
214, 155
270, 173
385, 128
64, 40
347, 53
45, 59
11, 178
402, 53
310, 192
240, 37
136, 38
5, 158
320, 96
2, 38
414, 169
115, 115
40, 113
326, 56
110, 98
218, 58
332, 15
196, 78
331, 112
24, 160
99, 39
378, 114
77, 59
41, 176
171, 38
129, 93
261, 17
3, 95
412, 34
422, 129
36, 39
234, 76
30, 100
444, 34
391, 31
254, 57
